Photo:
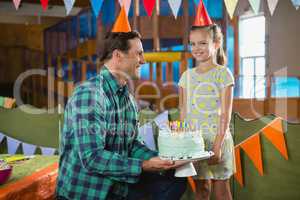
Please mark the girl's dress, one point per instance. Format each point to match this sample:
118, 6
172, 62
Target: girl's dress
203, 110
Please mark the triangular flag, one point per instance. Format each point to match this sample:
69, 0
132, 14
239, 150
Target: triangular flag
252, 148
96, 6
149, 6
272, 5
255, 5
44, 4
146, 135
12, 145
202, 18
238, 175
28, 149
1, 137
162, 119
122, 23
9, 102
196, 2
47, 151
127, 4
274, 133
2, 100
69, 5
17, 3
230, 6
296, 3
175, 5
192, 184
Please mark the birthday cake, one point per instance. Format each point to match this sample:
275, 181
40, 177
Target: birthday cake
180, 143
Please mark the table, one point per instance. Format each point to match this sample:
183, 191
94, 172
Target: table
32, 179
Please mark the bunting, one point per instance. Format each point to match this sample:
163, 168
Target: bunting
146, 135
175, 5
274, 133
1, 137
230, 6
239, 173
272, 5
28, 149
12, 145
9, 102
252, 147
126, 3
149, 6
296, 3
122, 23
47, 151
96, 6
17, 3
69, 5
196, 2
255, 5
192, 183
2, 100
44, 4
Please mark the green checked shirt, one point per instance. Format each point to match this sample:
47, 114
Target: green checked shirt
99, 151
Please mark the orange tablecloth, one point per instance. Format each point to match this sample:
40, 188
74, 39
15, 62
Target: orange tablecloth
39, 185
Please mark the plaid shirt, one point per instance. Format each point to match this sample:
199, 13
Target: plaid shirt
99, 150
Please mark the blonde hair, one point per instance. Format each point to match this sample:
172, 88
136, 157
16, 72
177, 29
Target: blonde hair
217, 36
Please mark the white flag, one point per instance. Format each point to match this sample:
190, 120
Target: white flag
69, 5
127, 4
230, 6
12, 145
47, 151
272, 5
1, 137
146, 135
255, 5
175, 5
28, 149
162, 120
296, 3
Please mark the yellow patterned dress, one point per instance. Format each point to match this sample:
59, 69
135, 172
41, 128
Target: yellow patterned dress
203, 110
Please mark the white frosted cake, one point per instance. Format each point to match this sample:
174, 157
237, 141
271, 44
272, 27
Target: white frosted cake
177, 145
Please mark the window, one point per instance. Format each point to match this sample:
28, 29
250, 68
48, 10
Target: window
251, 79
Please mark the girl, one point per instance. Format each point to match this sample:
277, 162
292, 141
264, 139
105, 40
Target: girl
205, 97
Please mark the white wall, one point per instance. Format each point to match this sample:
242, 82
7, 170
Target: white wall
284, 39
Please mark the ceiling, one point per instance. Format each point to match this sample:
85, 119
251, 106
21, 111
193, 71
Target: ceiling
31, 12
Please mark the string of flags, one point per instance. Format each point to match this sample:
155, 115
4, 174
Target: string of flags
252, 147
16, 147
175, 5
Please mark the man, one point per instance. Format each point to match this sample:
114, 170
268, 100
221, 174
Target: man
100, 157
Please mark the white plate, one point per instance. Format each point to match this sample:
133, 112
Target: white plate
205, 155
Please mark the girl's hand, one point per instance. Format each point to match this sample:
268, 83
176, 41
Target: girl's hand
216, 158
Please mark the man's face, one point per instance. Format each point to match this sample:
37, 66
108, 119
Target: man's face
132, 59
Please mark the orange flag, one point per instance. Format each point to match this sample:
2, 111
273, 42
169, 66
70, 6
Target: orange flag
202, 18
239, 173
9, 102
252, 148
192, 183
122, 23
274, 133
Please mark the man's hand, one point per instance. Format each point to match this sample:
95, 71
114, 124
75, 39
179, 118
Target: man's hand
157, 164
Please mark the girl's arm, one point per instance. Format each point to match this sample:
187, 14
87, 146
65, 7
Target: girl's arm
182, 103
225, 116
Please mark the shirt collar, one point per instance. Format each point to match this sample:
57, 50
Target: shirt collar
112, 81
